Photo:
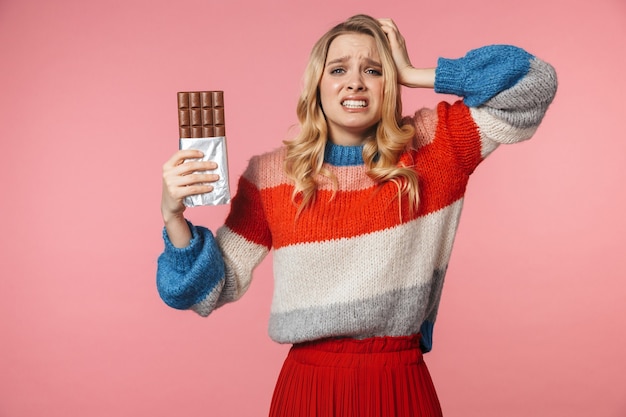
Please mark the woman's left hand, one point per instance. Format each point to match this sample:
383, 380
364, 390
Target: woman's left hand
408, 75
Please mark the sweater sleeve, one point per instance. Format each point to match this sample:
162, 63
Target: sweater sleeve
506, 89
245, 238
212, 271
191, 275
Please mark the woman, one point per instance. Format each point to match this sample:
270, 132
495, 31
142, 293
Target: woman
360, 209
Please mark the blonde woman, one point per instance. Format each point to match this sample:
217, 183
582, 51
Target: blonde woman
360, 210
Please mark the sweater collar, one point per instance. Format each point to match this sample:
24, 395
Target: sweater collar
341, 156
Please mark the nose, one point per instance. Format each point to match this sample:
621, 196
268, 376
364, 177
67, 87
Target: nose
355, 83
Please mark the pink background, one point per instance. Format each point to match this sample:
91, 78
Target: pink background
533, 316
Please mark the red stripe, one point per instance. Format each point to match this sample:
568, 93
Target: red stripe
460, 134
444, 165
443, 168
348, 214
246, 216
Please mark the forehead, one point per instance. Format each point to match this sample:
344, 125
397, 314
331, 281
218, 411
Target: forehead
353, 45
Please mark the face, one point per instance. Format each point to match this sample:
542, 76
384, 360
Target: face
351, 88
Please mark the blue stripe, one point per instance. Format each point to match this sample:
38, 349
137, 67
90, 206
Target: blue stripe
343, 156
185, 276
482, 73
426, 330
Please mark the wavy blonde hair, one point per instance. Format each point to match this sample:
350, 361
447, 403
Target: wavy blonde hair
381, 150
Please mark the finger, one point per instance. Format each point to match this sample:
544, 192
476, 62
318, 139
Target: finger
174, 184
180, 156
392, 32
197, 189
178, 177
179, 187
192, 166
189, 167
194, 179
388, 25
179, 193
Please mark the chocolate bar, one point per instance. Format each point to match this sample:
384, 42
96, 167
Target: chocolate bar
201, 126
201, 114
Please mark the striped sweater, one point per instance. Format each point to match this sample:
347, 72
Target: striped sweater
352, 266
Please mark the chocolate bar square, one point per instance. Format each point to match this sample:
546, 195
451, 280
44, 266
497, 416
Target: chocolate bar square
201, 114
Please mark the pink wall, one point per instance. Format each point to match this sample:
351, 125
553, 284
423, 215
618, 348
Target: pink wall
533, 316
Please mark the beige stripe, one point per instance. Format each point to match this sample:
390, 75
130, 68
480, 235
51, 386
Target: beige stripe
344, 270
241, 256
267, 171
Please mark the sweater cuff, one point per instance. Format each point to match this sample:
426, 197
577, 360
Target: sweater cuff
183, 259
185, 276
450, 76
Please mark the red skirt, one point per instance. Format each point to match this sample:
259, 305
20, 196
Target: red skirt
377, 377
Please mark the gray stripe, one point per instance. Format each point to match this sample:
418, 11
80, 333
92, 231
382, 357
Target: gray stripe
209, 303
435, 295
525, 104
396, 313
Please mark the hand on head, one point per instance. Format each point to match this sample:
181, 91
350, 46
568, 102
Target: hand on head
398, 48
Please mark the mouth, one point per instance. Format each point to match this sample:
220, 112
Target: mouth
354, 104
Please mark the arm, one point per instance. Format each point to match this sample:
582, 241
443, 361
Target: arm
191, 267
506, 89
180, 179
206, 271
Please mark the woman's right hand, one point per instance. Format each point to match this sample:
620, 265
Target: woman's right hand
184, 175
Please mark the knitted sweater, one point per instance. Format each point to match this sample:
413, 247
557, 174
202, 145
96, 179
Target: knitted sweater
360, 264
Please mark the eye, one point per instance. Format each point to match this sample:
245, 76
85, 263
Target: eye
374, 71
338, 70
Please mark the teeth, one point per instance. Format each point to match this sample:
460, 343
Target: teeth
354, 103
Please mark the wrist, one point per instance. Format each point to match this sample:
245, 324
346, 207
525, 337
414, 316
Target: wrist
450, 76
172, 217
418, 77
177, 230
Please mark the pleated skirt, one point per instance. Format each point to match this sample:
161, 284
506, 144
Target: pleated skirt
376, 377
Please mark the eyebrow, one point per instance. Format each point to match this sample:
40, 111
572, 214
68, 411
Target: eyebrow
345, 58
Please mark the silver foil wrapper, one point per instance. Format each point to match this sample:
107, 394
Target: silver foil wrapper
214, 149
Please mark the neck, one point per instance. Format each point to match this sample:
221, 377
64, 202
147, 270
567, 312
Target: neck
347, 138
